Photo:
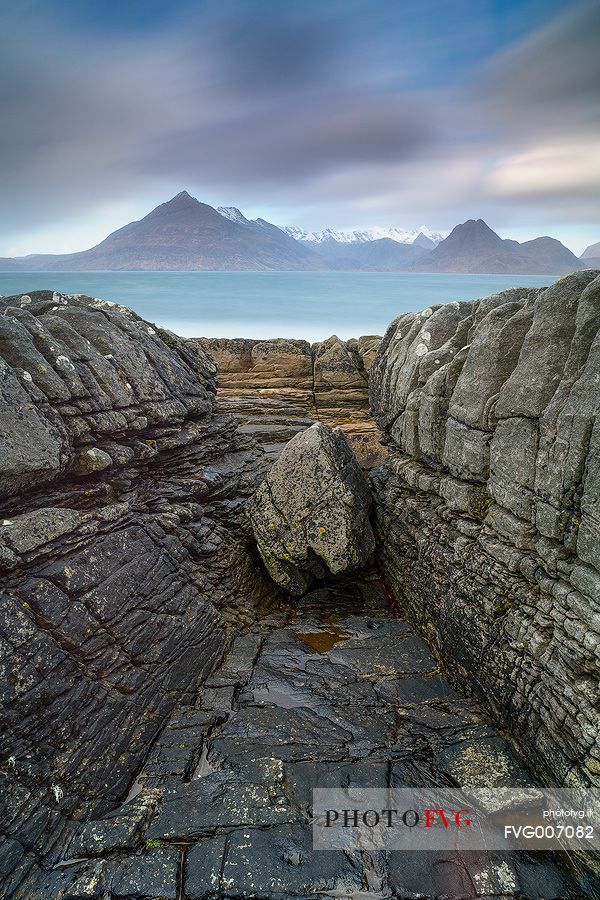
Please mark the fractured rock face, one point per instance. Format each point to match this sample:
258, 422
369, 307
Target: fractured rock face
311, 514
488, 512
123, 559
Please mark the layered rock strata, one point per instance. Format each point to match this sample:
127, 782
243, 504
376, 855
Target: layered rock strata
488, 510
341, 695
310, 516
122, 552
280, 387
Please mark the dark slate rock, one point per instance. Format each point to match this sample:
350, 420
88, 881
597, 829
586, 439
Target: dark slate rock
151, 875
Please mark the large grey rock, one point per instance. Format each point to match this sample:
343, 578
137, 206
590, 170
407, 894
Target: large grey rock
123, 560
311, 514
488, 512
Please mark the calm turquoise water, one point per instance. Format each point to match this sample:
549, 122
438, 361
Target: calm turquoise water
310, 305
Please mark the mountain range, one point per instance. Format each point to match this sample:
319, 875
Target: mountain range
422, 236
185, 234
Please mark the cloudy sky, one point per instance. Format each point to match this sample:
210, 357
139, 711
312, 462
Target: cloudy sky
343, 113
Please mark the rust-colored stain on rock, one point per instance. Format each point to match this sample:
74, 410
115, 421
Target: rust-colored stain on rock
325, 638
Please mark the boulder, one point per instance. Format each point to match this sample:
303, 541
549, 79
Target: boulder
311, 514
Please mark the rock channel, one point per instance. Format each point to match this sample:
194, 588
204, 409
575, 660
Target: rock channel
167, 708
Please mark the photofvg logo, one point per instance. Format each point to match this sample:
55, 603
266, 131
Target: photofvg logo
450, 819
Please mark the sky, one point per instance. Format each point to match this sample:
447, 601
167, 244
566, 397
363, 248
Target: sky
319, 113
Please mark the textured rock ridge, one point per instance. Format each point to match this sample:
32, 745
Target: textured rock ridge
488, 509
310, 516
280, 387
122, 552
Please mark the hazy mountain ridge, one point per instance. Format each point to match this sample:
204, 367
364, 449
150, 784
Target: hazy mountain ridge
591, 252
382, 255
472, 247
185, 234
591, 256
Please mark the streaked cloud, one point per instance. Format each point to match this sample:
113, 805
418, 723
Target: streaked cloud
346, 113
550, 171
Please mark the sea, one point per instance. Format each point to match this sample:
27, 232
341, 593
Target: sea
308, 305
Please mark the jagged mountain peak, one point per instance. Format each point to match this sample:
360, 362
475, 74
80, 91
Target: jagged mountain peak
474, 231
329, 235
472, 246
182, 204
233, 214
182, 198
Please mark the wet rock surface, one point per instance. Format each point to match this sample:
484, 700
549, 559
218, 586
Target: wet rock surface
124, 562
167, 711
488, 510
310, 516
331, 692
278, 388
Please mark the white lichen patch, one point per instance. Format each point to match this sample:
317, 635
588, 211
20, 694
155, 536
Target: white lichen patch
426, 313
102, 303
25, 300
499, 879
507, 878
151, 331
64, 362
421, 349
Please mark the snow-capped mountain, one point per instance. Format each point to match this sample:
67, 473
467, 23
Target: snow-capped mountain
233, 214
401, 235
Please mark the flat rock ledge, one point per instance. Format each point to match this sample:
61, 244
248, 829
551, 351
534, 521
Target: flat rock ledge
279, 387
311, 514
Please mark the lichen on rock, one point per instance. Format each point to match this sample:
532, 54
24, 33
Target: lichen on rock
488, 510
123, 559
311, 514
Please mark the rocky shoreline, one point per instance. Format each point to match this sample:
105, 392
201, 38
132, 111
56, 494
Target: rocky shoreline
156, 670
